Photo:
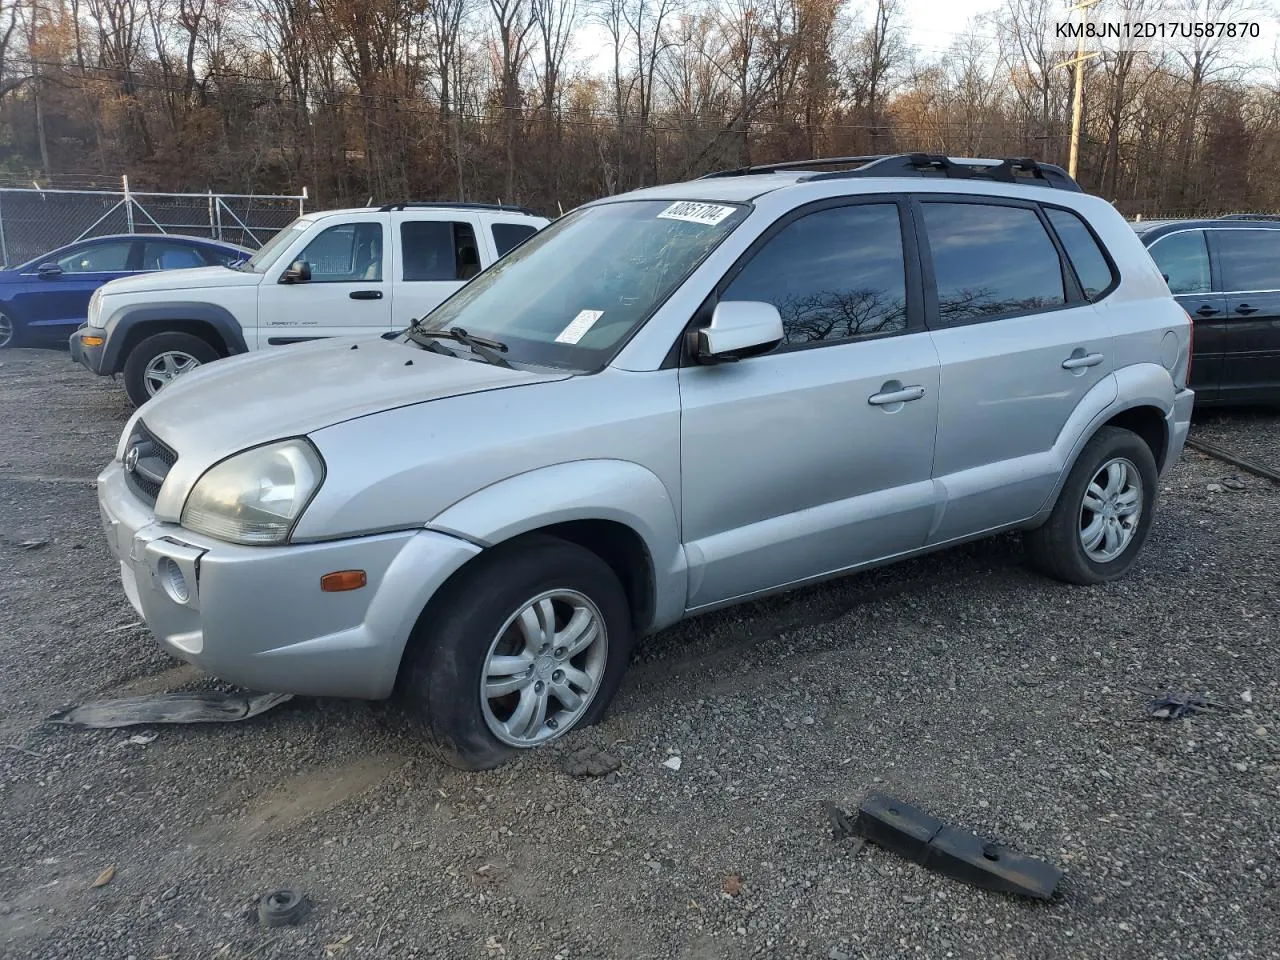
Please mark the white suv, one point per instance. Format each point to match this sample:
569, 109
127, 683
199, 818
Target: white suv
330, 274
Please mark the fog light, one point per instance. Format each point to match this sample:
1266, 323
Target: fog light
174, 583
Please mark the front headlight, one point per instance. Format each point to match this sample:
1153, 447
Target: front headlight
255, 496
95, 308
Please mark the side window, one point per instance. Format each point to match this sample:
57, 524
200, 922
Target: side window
345, 253
1250, 259
1184, 260
1092, 269
98, 258
216, 256
508, 236
438, 250
991, 261
168, 255
835, 274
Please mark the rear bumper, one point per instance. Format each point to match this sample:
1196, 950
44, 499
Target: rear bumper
88, 355
1178, 423
256, 616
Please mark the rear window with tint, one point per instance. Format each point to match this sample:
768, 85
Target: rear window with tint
1250, 259
508, 236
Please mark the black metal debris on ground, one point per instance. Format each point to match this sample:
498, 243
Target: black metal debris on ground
203, 707
1174, 706
916, 835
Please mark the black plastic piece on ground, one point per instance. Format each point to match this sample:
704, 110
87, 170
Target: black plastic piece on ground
281, 908
914, 834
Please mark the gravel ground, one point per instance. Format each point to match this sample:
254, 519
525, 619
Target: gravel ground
1003, 702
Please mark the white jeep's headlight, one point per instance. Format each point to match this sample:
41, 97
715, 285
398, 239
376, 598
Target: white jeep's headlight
95, 308
255, 496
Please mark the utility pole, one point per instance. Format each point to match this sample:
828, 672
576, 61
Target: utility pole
1077, 104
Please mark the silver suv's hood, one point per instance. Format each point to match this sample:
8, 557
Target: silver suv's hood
281, 392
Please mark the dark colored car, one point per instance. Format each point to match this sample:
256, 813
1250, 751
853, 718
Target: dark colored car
1226, 275
43, 301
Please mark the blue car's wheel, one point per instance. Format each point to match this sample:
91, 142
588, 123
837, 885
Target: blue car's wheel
9, 331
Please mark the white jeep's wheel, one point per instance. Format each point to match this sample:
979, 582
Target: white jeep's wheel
159, 360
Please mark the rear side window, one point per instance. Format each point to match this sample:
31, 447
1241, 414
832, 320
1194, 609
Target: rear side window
508, 236
1250, 259
833, 275
1092, 269
438, 250
168, 255
1183, 258
991, 261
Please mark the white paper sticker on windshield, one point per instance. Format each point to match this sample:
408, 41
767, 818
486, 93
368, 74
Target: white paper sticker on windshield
707, 214
578, 327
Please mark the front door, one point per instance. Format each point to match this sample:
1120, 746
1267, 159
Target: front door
434, 258
348, 293
1249, 268
58, 301
1183, 258
1019, 347
816, 457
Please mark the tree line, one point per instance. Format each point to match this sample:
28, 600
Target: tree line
550, 103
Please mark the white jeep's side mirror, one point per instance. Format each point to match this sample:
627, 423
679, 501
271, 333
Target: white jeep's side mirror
738, 329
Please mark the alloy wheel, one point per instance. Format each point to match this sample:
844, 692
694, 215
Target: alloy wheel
165, 367
1110, 510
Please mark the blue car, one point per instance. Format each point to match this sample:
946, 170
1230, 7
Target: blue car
43, 301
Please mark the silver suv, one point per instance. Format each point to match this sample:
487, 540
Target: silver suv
666, 402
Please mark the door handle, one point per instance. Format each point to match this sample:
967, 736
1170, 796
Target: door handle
1208, 311
1245, 309
901, 395
365, 294
1088, 360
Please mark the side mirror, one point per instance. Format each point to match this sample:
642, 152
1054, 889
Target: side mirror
738, 329
298, 272
47, 271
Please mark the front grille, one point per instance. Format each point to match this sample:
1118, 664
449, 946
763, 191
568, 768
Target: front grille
147, 461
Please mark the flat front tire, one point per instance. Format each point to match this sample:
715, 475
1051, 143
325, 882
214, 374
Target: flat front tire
160, 359
1103, 514
525, 645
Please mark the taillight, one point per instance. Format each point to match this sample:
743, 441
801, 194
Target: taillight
1191, 344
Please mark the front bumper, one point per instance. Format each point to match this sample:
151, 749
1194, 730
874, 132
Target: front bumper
88, 355
256, 616
1179, 425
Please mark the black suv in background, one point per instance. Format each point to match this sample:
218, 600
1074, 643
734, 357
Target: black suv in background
1226, 275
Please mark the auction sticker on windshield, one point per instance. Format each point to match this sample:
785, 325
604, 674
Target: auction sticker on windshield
708, 214
579, 325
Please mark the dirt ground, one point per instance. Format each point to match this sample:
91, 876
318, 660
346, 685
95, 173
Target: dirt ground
1006, 703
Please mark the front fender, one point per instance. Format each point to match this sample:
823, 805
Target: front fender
122, 319
614, 490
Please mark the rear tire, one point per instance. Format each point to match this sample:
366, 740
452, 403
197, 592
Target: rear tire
1083, 545
472, 644
159, 356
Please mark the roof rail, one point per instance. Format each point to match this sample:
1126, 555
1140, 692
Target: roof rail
1250, 216
791, 165
1007, 170
446, 205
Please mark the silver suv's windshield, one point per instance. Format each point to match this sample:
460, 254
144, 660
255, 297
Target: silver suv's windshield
270, 251
572, 294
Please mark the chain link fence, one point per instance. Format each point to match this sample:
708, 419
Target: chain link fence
34, 221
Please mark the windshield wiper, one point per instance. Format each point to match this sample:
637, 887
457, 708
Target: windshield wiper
490, 350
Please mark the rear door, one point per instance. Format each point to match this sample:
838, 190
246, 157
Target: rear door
1019, 347
1183, 258
434, 257
348, 293
1248, 260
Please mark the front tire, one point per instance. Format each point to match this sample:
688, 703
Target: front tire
527, 644
160, 359
10, 331
1102, 515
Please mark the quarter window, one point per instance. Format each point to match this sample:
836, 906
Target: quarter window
1092, 268
438, 250
1183, 258
508, 236
1250, 259
346, 253
98, 258
991, 261
833, 275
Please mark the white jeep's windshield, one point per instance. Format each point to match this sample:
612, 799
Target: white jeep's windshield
270, 251
571, 295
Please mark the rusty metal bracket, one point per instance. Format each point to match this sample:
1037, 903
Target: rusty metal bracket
916, 835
